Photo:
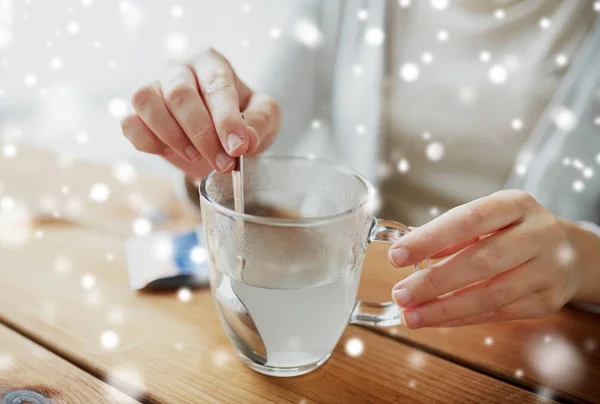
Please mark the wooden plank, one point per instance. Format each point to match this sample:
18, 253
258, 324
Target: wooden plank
558, 354
29, 373
174, 351
61, 186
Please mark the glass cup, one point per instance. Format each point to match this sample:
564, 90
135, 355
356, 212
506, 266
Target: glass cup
285, 274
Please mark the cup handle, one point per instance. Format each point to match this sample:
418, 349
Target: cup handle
382, 314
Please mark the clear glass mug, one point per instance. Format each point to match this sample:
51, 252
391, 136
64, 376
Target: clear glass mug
285, 287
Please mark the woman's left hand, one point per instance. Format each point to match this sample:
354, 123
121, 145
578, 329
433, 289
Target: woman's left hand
506, 257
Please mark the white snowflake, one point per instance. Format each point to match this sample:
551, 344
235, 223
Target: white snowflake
130, 14
426, 135
184, 294
556, 361
497, 74
124, 173
6, 362
275, 32
361, 129
221, 357
440, 4
598, 158
521, 169
88, 281
163, 248
578, 185
198, 255
355, 347
112, 64
485, 56
357, 70
62, 264
409, 71
561, 59
16, 223
30, 80
403, 166
316, 124
97, 45
110, 257
117, 107
597, 6
466, 94
176, 44
412, 383
442, 35
488, 341
9, 150
99, 192
142, 226
56, 63
566, 161
109, 339
578, 164
435, 151
82, 137
404, 3
127, 377
416, 359
245, 42
427, 58
362, 14
588, 172
519, 373
246, 8
563, 118
307, 33
177, 11
544, 23
434, 211
87, 3
73, 27
516, 124
499, 14
374, 36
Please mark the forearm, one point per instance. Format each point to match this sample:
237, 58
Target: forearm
586, 246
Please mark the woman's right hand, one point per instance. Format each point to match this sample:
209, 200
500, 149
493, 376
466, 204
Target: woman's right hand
192, 116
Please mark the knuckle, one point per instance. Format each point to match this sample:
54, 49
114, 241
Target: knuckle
499, 296
201, 134
145, 144
217, 84
142, 98
522, 200
553, 302
486, 259
431, 280
472, 218
179, 96
227, 119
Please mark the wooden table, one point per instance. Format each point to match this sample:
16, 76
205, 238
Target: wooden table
169, 351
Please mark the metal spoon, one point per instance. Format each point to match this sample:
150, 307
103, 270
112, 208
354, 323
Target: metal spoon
245, 333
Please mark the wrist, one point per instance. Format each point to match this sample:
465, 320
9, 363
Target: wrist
585, 267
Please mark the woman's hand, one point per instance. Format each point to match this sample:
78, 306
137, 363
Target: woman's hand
506, 257
192, 116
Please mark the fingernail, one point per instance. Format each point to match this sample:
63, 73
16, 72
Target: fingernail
233, 142
398, 256
192, 153
223, 161
411, 318
401, 296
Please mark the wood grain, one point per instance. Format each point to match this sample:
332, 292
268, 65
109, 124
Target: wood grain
558, 354
27, 370
176, 352
52, 185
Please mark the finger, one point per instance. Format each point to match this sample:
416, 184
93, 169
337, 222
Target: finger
526, 308
455, 248
504, 250
482, 297
217, 83
263, 118
197, 169
141, 137
183, 100
151, 108
460, 224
